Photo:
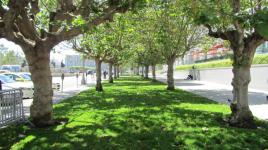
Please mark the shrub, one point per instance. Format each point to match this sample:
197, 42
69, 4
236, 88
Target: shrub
261, 59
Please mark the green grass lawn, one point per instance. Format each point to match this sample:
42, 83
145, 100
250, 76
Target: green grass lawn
136, 114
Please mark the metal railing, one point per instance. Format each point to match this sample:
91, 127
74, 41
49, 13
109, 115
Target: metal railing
11, 106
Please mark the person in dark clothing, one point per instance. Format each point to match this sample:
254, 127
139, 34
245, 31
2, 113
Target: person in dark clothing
105, 74
189, 77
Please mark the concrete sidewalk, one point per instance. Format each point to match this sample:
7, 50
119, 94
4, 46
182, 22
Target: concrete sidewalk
59, 96
221, 93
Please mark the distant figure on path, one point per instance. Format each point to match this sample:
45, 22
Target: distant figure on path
105, 74
189, 77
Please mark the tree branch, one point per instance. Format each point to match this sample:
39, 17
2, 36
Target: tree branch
70, 33
255, 39
10, 30
217, 34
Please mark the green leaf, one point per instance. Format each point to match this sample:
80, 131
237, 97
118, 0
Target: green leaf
262, 29
79, 21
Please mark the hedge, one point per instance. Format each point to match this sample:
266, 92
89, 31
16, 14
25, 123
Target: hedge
81, 68
258, 59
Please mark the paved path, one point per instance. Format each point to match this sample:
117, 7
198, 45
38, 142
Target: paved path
70, 89
220, 93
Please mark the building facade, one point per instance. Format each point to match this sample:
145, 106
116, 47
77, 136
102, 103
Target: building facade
77, 60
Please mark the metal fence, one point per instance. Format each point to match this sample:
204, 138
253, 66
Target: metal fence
11, 109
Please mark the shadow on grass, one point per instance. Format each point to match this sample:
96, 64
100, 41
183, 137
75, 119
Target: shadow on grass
137, 114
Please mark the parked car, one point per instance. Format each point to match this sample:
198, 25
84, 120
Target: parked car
25, 76
8, 83
4, 71
12, 68
16, 77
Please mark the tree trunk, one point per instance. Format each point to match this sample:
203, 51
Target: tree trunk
83, 81
146, 72
153, 73
170, 78
142, 71
98, 74
41, 110
115, 72
118, 71
206, 56
133, 70
111, 80
138, 70
241, 115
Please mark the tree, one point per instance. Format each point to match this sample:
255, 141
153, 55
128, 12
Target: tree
117, 32
141, 41
152, 55
95, 45
206, 45
244, 25
37, 26
177, 35
11, 58
121, 42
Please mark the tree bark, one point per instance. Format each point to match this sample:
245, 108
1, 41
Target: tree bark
146, 72
138, 70
98, 74
170, 78
41, 110
83, 80
153, 73
115, 72
111, 80
241, 115
142, 71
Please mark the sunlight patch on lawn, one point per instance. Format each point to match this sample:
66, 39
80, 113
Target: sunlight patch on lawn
23, 142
